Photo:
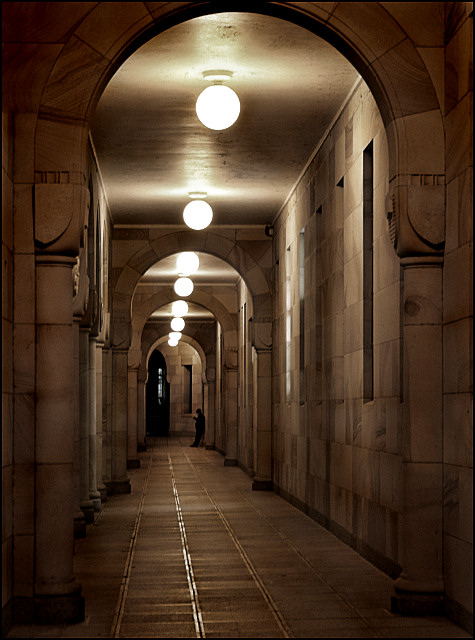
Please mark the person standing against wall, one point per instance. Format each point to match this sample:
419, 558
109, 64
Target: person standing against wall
199, 427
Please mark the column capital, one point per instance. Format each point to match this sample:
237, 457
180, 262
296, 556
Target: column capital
60, 214
416, 214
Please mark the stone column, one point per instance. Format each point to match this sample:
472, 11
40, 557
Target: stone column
106, 416
79, 518
419, 589
58, 598
119, 482
230, 409
141, 427
99, 410
94, 494
86, 503
262, 424
210, 434
133, 461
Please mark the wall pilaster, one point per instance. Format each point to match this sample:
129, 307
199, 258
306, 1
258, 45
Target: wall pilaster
419, 589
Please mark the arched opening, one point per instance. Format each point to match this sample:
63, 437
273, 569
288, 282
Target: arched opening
157, 397
394, 67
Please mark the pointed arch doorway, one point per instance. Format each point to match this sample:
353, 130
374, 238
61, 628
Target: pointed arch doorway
157, 395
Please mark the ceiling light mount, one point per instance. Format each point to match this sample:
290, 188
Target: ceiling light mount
217, 75
197, 214
218, 106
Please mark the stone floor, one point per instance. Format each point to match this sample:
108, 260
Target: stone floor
193, 552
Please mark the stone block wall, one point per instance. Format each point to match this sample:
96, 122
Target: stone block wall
458, 314
336, 448
7, 360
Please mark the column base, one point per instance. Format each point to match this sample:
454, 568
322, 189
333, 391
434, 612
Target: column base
118, 487
95, 497
262, 485
417, 603
230, 462
79, 528
103, 493
54, 610
133, 464
88, 512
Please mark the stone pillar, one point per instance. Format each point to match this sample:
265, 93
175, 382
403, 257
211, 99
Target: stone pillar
262, 424
99, 410
210, 434
230, 393
133, 461
86, 503
79, 518
141, 427
58, 598
119, 482
419, 589
94, 494
106, 416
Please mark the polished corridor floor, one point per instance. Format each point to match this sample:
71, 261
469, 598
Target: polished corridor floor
193, 552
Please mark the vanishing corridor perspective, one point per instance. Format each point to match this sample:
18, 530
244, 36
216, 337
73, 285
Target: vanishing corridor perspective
286, 276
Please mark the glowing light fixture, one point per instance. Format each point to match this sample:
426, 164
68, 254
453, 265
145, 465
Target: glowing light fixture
174, 336
187, 263
177, 324
179, 308
197, 214
218, 106
172, 343
183, 287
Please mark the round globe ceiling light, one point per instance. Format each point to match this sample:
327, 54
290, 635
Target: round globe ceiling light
183, 287
174, 336
218, 107
177, 324
187, 263
172, 343
179, 308
197, 214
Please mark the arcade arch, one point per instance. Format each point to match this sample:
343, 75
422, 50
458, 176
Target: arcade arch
394, 70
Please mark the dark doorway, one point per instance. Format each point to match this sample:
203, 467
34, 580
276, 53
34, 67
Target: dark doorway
157, 397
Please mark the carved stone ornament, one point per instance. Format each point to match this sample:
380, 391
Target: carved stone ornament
416, 216
261, 334
60, 214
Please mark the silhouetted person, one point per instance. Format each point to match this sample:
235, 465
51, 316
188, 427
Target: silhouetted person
199, 427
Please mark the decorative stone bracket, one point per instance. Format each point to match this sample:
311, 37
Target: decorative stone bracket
416, 215
60, 215
261, 334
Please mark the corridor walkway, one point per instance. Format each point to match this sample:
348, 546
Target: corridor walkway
194, 552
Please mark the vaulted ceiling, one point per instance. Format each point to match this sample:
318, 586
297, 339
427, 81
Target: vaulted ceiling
153, 150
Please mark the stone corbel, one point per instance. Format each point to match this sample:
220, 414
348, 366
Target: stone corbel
60, 214
142, 375
261, 334
135, 358
209, 375
121, 335
416, 215
80, 287
230, 359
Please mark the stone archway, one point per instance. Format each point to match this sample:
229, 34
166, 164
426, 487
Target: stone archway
70, 73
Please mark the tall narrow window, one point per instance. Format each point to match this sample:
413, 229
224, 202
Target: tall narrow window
187, 388
288, 328
368, 358
302, 314
160, 386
